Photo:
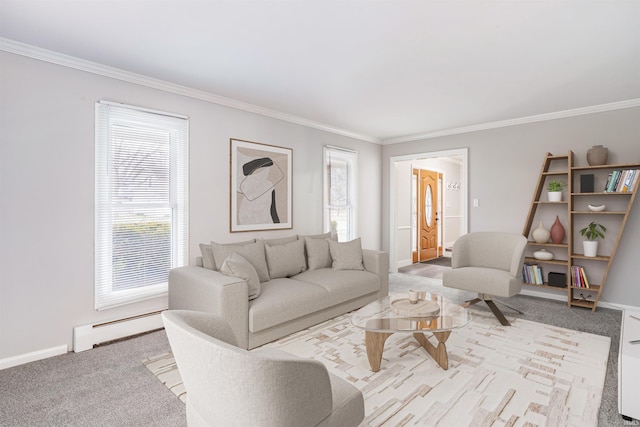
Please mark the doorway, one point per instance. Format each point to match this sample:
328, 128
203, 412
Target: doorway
425, 200
451, 204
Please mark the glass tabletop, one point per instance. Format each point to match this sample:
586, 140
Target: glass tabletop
378, 316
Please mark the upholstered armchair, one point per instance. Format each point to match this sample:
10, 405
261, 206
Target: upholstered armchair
230, 386
489, 263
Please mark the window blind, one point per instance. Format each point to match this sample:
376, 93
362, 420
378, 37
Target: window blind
340, 192
141, 206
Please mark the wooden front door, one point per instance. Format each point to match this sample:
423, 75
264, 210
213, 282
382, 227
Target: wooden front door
427, 215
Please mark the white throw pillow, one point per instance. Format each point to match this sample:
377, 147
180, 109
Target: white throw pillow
285, 260
318, 255
346, 256
236, 265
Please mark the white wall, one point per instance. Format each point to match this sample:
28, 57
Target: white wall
47, 194
504, 165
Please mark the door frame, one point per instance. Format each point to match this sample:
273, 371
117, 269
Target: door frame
464, 153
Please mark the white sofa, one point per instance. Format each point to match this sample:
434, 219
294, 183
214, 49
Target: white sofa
304, 280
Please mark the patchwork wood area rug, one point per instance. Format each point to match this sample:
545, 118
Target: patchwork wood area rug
529, 374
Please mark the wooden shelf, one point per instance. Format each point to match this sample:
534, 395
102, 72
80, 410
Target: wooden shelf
547, 286
604, 193
532, 260
573, 210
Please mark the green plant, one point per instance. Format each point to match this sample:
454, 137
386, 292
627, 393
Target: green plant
591, 231
555, 185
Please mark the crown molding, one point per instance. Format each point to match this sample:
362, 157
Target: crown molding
57, 58
631, 103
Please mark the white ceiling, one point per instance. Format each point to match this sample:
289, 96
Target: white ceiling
378, 69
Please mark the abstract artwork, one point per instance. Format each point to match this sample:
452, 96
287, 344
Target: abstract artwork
260, 186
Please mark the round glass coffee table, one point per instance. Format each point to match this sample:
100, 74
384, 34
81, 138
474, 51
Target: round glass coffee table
380, 320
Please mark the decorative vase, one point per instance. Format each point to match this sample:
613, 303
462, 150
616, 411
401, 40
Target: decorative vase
590, 248
597, 155
541, 234
557, 231
554, 196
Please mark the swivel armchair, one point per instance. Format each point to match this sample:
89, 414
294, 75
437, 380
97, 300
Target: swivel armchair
230, 386
489, 263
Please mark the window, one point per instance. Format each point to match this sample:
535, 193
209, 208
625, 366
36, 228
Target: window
340, 174
141, 210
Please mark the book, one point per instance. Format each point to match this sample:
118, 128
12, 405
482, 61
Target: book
633, 179
621, 180
614, 181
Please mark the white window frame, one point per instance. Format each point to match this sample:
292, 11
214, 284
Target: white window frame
351, 159
176, 129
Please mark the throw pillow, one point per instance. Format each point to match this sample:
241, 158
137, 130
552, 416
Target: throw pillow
318, 255
281, 241
207, 256
347, 255
253, 252
237, 266
222, 251
326, 235
285, 260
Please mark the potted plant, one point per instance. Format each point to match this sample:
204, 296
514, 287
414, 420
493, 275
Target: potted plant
554, 189
592, 232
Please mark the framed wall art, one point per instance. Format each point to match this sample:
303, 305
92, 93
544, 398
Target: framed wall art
261, 183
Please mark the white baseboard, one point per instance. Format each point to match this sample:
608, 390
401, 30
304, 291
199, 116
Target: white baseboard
21, 359
86, 336
404, 263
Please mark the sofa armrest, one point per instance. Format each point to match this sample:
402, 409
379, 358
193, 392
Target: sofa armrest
377, 262
201, 289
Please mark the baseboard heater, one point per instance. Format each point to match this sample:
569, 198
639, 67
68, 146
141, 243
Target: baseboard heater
85, 337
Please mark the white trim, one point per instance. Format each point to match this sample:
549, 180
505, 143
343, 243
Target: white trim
86, 336
631, 103
52, 57
143, 109
21, 359
464, 152
126, 76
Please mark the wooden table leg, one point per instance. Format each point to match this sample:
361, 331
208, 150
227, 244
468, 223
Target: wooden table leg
374, 342
438, 353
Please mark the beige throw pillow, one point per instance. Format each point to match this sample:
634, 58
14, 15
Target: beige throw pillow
318, 255
253, 252
207, 257
222, 251
285, 260
346, 256
281, 241
237, 266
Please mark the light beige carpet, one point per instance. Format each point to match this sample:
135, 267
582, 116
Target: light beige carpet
529, 374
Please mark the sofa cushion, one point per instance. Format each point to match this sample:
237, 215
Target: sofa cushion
237, 266
281, 241
282, 300
326, 235
346, 255
253, 252
318, 255
285, 260
222, 250
342, 285
207, 256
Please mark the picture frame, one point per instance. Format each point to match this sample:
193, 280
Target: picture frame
261, 186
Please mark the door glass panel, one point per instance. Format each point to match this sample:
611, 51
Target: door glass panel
428, 206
